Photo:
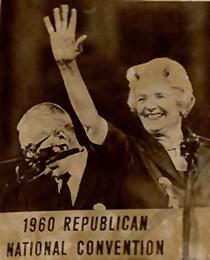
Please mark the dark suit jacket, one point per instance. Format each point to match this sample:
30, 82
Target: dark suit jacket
42, 194
143, 161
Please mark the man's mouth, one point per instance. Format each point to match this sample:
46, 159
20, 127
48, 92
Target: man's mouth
154, 116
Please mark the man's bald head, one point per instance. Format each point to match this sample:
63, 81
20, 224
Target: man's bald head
42, 120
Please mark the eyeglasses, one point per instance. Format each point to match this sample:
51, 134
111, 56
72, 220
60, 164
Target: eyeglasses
38, 157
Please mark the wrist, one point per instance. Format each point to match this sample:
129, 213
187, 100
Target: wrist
62, 62
66, 64
70, 66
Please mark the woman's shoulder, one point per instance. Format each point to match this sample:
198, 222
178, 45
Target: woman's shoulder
192, 137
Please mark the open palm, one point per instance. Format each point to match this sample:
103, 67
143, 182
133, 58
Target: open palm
64, 45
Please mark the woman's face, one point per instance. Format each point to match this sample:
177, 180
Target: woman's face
157, 108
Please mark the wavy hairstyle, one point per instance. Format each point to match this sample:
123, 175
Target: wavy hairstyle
165, 71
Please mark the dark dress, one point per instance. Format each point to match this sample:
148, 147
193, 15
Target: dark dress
144, 161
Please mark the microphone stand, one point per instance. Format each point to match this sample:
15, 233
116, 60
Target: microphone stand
28, 170
34, 167
189, 151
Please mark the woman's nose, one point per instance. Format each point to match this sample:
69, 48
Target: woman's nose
151, 109
150, 105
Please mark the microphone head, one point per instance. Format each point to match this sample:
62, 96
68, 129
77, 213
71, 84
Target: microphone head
32, 167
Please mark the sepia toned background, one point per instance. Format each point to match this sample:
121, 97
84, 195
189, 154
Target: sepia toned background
121, 33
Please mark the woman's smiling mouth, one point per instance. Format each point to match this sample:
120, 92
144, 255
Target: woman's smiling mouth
154, 116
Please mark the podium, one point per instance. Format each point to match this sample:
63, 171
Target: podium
103, 234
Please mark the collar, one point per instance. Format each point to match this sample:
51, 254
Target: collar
77, 164
159, 156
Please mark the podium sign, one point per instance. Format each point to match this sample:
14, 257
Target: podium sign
99, 234
102, 234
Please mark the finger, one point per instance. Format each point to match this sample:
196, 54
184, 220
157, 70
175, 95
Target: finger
73, 21
64, 14
57, 18
48, 24
79, 43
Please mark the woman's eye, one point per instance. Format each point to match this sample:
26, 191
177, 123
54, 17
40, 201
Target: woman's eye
160, 96
141, 99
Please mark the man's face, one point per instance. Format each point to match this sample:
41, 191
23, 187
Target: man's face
56, 140
157, 108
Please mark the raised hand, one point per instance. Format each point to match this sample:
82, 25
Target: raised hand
64, 45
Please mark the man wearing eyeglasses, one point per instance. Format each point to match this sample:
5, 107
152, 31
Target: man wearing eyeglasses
57, 172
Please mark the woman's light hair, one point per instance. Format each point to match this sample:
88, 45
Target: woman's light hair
161, 71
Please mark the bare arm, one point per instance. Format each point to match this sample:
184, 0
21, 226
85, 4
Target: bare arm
65, 49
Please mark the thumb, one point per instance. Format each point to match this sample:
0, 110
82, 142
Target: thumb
79, 43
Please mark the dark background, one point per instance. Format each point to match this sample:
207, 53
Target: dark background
120, 34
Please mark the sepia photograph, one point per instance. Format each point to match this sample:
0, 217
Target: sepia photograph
104, 129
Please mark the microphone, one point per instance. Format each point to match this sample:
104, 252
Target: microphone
33, 167
189, 150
